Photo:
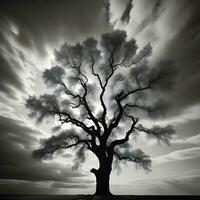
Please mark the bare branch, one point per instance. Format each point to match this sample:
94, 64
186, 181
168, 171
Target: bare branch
62, 141
69, 118
115, 121
94, 73
137, 156
139, 89
68, 91
126, 138
145, 52
163, 134
159, 108
82, 101
111, 61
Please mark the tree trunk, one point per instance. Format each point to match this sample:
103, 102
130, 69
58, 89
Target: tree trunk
102, 183
102, 180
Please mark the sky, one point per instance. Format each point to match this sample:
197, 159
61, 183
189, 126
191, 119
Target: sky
30, 31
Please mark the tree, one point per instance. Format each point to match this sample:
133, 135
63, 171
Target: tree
101, 89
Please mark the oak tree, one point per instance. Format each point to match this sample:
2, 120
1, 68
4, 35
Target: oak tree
103, 89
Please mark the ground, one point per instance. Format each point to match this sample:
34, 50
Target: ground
90, 197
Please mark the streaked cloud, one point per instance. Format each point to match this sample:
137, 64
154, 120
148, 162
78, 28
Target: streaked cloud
185, 184
178, 155
17, 141
195, 139
126, 14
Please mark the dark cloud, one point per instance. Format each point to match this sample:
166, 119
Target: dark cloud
188, 128
173, 30
49, 21
9, 78
9, 66
34, 25
184, 49
107, 9
157, 8
156, 11
62, 185
126, 14
25, 187
17, 141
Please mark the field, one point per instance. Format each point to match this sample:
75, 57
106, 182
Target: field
90, 197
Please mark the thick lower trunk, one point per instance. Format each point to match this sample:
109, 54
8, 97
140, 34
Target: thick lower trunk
102, 181
102, 184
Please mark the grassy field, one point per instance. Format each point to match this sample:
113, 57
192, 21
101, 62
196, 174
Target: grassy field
90, 197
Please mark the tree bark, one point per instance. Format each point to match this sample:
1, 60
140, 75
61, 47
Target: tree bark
102, 179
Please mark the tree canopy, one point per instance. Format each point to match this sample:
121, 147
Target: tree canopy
103, 89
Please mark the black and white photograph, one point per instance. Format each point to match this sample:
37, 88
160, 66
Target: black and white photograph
99, 99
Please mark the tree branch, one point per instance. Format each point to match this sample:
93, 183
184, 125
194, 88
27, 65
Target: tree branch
123, 157
114, 122
161, 133
149, 86
61, 141
148, 109
82, 100
74, 121
85, 104
69, 92
126, 138
79, 142
103, 118
136, 156
94, 73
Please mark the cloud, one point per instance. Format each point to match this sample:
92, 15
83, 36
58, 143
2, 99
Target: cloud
172, 28
169, 185
182, 177
188, 140
107, 10
13, 187
151, 18
63, 185
16, 72
185, 115
28, 39
193, 140
9, 67
23, 187
35, 35
17, 140
119, 11
186, 183
178, 155
55, 21
126, 14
